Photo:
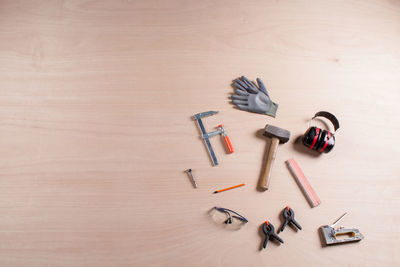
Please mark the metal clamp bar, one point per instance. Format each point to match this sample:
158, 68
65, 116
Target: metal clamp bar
208, 144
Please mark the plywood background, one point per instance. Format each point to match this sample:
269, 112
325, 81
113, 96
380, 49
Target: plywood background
96, 99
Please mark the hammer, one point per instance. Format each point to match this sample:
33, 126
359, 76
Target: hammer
278, 135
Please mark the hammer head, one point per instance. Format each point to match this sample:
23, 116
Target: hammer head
204, 114
273, 131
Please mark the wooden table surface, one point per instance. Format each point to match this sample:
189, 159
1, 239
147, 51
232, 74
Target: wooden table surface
96, 99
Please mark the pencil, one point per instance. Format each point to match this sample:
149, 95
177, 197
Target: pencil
229, 188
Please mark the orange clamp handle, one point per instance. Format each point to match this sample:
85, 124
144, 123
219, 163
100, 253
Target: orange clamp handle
228, 144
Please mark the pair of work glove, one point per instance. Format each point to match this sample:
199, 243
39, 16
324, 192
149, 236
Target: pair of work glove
251, 98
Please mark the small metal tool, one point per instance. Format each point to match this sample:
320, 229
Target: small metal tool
269, 231
189, 172
206, 136
330, 235
288, 215
338, 220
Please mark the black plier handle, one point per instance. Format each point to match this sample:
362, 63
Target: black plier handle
288, 215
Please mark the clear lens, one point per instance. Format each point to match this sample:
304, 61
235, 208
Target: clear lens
226, 219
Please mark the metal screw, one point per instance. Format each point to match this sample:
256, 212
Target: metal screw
189, 171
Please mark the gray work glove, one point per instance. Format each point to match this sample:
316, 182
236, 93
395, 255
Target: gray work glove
251, 98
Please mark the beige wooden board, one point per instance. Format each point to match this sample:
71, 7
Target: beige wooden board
96, 99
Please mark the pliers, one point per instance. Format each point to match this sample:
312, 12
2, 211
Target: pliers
288, 215
269, 231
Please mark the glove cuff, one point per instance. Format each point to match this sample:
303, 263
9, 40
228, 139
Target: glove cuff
272, 111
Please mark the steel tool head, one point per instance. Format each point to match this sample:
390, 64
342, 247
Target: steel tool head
204, 114
273, 131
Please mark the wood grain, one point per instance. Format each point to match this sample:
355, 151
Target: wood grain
96, 99
269, 163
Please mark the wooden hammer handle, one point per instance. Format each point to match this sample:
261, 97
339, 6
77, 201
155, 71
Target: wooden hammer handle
266, 178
